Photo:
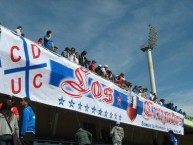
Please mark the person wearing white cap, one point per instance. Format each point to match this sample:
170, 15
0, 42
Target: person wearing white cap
117, 134
106, 66
104, 70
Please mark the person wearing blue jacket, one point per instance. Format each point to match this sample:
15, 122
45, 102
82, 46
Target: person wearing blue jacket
172, 140
28, 122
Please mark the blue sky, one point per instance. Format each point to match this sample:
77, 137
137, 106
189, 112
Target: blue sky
113, 31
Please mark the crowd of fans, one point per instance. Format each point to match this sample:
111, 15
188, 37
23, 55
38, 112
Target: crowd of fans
16, 129
142, 91
101, 70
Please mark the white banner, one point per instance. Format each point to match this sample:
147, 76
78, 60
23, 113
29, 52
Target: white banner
26, 69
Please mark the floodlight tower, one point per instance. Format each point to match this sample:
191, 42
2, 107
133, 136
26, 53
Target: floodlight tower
151, 45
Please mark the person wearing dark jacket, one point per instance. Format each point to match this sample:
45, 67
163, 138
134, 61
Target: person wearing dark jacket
83, 137
172, 140
83, 60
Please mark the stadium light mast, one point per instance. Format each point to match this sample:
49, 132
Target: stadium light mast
152, 40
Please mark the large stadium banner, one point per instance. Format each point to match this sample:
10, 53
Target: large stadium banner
27, 69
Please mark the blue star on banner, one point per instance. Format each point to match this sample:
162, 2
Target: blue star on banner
106, 113
100, 111
93, 110
80, 106
111, 115
86, 108
120, 117
61, 101
71, 103
115, 115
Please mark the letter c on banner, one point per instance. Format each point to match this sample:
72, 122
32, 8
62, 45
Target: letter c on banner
13, 58
35, 82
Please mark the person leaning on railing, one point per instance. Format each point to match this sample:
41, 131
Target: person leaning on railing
48, 42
